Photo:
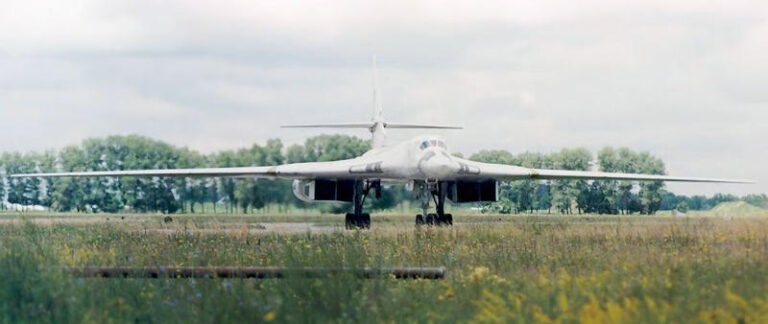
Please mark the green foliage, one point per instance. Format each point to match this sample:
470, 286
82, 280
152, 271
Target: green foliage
602, 197
495, 156
567, 193
599, 197
760, 200
2, 184
619, 195
333, 148
166, 195
669, 201
518, 196
25, 191
736, 209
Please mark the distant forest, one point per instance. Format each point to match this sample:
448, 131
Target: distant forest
172, 195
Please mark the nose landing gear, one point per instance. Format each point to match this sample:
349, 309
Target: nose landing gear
436, 191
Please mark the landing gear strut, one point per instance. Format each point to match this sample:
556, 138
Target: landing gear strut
436, 191
357, 219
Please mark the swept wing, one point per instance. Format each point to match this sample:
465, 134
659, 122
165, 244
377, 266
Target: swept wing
352, 168
471, 170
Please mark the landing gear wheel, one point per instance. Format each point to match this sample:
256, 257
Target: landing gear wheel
431, 219
448, 219
419, 220
353, 221
349, 221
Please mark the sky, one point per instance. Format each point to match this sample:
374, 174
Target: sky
684, 80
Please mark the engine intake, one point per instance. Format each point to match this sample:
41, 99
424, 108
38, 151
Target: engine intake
473, 191
324, 190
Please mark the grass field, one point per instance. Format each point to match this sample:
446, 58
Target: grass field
501, 269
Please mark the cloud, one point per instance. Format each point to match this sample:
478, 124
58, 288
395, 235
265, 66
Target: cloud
684, 80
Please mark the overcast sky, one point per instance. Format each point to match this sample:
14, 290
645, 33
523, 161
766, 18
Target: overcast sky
684, 80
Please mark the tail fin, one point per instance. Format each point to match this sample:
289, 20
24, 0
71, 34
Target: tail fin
378, 134
377, 125
377, 107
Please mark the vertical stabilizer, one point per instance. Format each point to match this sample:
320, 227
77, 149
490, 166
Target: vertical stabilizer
376, 126
377, 116
378, 132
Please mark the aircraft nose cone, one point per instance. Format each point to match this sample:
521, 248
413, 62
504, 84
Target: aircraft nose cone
437, 165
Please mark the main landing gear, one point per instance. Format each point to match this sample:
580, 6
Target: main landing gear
436, 191
357, 219
425, 192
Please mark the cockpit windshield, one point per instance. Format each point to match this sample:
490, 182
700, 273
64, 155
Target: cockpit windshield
433, 143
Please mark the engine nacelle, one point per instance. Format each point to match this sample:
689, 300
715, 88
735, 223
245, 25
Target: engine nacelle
473, 191
324, 190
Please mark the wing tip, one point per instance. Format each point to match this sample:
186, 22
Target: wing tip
733, 181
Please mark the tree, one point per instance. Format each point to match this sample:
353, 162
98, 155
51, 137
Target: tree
2, 183
24, 191
295, 154
699, 203
334, 147
721, 198
620, 195
226, 186
670, 201
650, 192
193, 190
390, 196
247, 195
607, 160
47, 163
527, 198
760, 200
544, 197
626, 163
495, 156
567, 192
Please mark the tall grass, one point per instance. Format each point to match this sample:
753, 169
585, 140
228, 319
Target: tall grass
517, 269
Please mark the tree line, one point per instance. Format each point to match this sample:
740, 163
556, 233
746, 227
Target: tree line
597, 197
698, 202
580, 196
170, 195
166, 195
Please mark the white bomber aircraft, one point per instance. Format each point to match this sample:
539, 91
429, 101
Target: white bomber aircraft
423, 161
